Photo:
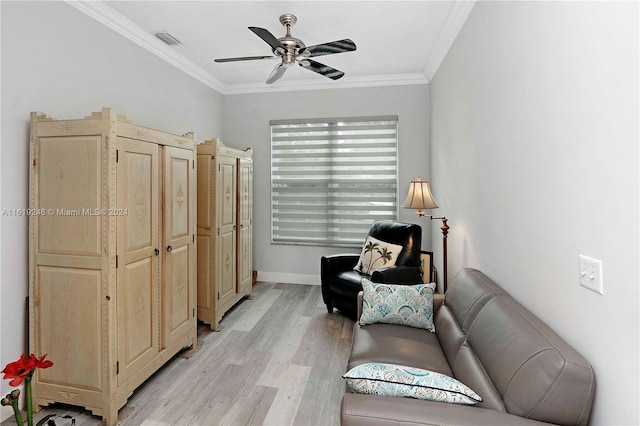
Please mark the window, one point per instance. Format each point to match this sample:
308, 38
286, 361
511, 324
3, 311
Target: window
331, 178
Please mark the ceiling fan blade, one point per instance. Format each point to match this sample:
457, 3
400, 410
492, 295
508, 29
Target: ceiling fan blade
330, 48
276, 74
268, 37
245, 58
322, 69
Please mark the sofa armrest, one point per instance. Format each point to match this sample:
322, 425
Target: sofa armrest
397, 275
438, 300
367, 410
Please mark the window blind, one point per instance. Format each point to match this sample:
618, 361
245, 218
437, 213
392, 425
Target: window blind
331, 178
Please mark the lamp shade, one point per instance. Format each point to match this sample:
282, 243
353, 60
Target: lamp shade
419, 196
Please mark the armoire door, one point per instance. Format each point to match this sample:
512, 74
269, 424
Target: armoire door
179, 245
206, 226
137, 237
244, 238
226, 190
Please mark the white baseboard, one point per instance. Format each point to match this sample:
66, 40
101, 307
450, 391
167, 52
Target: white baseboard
277, 277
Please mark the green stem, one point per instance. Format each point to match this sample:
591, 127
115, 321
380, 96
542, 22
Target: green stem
16, 411
29, 398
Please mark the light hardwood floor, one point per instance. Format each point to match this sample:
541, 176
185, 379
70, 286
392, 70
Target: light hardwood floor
277, 360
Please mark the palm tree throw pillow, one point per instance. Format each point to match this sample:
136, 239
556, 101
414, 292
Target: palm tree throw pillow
377, 254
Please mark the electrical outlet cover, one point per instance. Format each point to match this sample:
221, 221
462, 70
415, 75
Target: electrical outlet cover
591, 273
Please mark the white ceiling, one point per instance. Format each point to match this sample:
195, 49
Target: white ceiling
398, 42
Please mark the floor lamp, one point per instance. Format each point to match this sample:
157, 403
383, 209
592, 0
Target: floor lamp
420, 197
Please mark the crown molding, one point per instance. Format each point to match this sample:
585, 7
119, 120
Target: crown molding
109, 17
347, 82
130, 30
454, 23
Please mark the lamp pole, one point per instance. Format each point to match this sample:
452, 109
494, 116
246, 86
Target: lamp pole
445, 231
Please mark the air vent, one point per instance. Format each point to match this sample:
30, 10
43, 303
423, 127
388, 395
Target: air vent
167, 38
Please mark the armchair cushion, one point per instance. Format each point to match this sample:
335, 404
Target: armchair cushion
397, 275
377, 254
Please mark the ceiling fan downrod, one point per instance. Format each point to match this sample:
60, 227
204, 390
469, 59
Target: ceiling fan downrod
288, 20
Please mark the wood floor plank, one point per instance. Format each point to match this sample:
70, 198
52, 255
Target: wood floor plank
285, 405
253, 408
259, 306
277, 359
284, 351
150, 422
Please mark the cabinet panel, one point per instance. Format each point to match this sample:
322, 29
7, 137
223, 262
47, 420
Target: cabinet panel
179, 235
139, 186
227, 269
177, 173
246, 196
228, 190
176, 293
73, 305
205, 188
244, 260
71, 168
205, 296
245, 214
137, 308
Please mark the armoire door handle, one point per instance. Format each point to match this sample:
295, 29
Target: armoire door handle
169, 249
157, 251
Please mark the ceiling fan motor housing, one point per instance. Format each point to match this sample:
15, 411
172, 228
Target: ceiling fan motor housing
292, 45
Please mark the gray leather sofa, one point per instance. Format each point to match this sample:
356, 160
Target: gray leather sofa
525, 373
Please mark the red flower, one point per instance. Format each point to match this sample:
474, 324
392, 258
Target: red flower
19, 370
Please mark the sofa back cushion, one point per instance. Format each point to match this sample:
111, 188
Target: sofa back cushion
467, 295
464, 363
537, 374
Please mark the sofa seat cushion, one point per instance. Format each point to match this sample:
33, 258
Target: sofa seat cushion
397, 344
347, 283
376, 410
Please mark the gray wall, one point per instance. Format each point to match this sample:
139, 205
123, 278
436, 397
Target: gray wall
61, 62
535, 157
247, 125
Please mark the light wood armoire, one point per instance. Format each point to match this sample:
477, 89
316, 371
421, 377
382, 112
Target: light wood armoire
112, 256
225, 212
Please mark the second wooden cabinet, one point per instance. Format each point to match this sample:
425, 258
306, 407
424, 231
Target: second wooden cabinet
225, 211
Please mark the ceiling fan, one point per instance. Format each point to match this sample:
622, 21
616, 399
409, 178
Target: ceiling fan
292, 50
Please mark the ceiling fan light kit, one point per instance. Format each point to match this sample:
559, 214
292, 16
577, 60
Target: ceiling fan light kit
291, 50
